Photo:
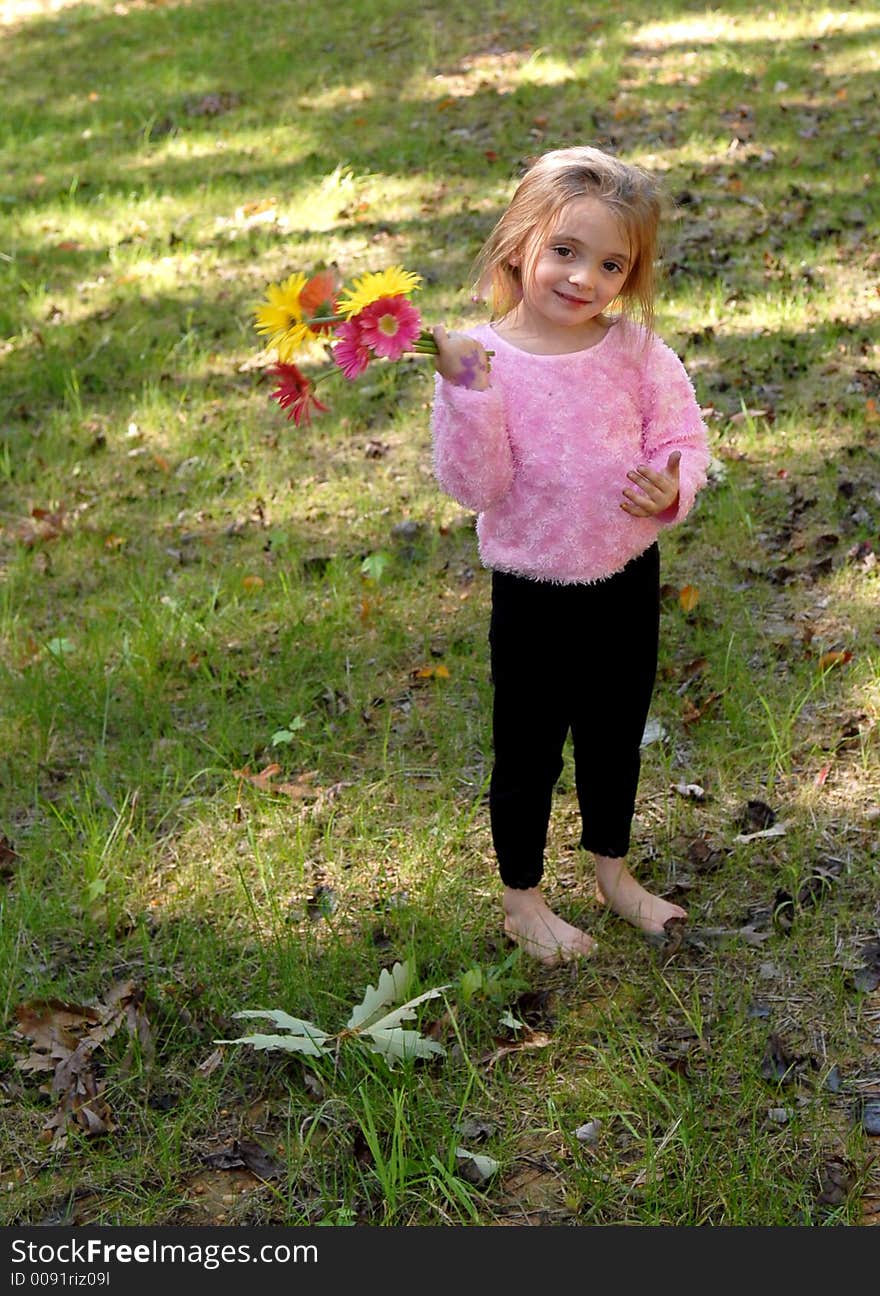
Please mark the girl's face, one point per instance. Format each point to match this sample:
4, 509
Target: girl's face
576, 270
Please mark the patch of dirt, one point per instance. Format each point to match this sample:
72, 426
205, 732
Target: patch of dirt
218, 1196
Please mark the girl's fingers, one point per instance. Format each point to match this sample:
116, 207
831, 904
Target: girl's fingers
635, 501
647, 488
646, 474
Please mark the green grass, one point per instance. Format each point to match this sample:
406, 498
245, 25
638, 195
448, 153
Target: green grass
200, 583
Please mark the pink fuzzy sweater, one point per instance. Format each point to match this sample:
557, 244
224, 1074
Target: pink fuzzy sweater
542, 455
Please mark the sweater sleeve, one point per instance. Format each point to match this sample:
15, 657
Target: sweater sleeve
473, 460
672, 421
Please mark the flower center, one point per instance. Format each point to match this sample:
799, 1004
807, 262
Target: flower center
388, 324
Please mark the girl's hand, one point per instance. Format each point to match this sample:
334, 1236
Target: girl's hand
657, 491
461, 360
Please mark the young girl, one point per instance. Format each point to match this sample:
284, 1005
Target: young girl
583, 442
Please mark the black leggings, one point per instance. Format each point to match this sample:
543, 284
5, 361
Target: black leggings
578, 657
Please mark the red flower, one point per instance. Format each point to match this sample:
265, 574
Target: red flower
351, 352
295, 393
389, 326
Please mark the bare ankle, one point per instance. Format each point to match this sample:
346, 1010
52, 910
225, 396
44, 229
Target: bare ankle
616, 887
530, 921
515, 899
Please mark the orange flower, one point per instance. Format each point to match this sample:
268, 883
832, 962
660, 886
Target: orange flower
319, 298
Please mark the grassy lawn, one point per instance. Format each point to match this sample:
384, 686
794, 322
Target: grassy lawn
192, 589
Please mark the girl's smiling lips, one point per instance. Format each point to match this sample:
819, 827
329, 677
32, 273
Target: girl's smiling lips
571, 299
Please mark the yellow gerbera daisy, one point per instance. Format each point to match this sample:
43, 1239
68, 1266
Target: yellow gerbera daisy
393, 282
280, 317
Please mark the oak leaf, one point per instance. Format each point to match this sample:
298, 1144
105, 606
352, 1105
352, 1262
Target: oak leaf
689, 597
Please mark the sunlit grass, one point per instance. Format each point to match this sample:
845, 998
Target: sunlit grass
798, 21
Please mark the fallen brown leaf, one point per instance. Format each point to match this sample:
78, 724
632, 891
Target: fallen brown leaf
692, 712
838, 1180
688, 597
430, 672
531, 1040
244, 1153
8, 858
298, 789
64, 1037
211, 1062
829, 659
43, 524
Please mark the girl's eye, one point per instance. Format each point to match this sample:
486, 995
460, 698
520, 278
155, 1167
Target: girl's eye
563, 251
611, 266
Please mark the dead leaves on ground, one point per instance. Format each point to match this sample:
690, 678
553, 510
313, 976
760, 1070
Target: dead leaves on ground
301, 788
64, 1040
8, 859
692, 673
531, 1039
40, 526
245, 1154
688, 598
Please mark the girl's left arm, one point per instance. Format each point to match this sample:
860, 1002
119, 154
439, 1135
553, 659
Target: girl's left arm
672, 421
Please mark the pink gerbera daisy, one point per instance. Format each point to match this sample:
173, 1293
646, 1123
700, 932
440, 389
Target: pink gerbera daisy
389, 326
296, 393
351, 352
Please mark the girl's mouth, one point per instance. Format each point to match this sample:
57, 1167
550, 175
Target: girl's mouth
571, 300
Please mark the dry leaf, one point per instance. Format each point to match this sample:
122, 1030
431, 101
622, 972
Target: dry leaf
299, 789
244, 1153
829, 659
778, 830
8, 858
692, 791
689, 597
430, 672
259, 207
262, 779
211, 1062
64, 1037
531, 1040
43, 524
693, 713
744, 415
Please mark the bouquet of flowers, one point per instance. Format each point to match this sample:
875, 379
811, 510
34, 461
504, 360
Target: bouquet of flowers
374, 318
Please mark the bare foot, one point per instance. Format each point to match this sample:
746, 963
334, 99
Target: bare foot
616, 887
530, 921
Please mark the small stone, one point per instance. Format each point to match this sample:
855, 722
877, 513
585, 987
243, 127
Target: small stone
871, 1116
408, 530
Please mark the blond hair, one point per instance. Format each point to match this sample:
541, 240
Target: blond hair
552, 181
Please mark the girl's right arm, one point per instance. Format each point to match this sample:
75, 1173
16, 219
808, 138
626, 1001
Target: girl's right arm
473, 460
